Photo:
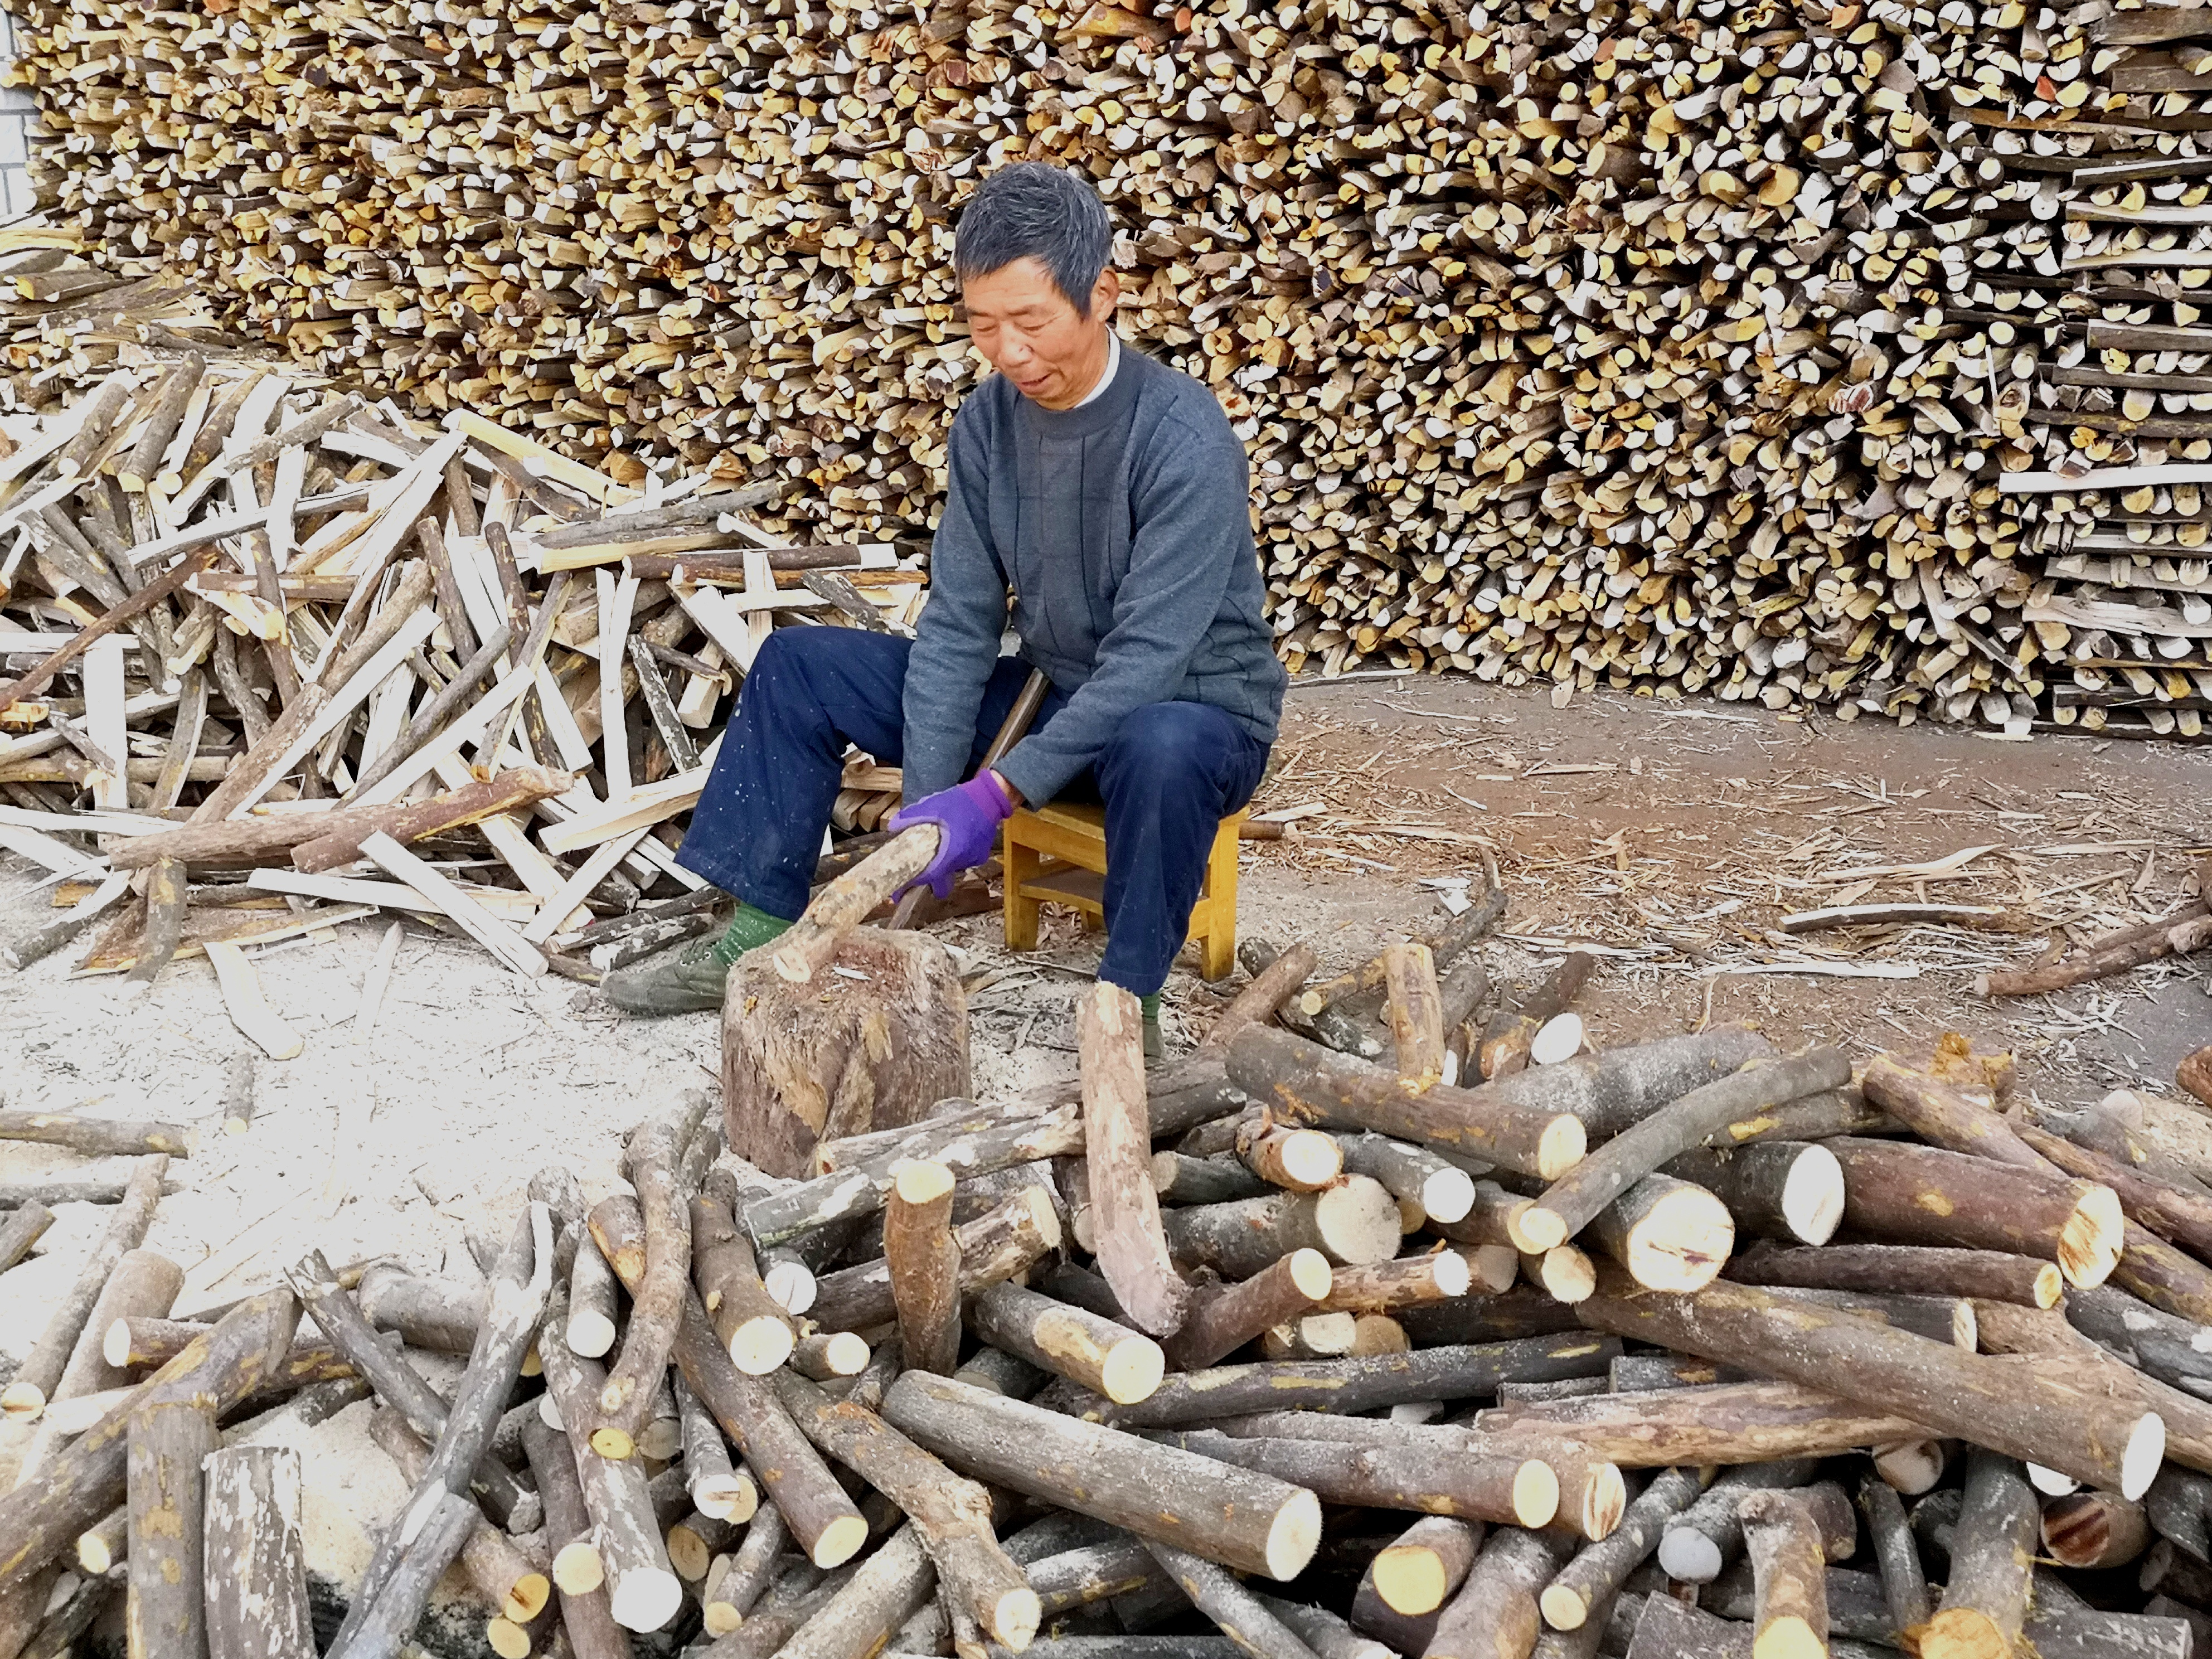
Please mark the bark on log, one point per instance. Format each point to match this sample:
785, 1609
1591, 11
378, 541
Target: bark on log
2028, 1412
996, 1246
1294, 1160
968, 1144
1904, 1583
1262, 998
1513, 1489
889, 1588
1608, 1092
144, 1282
168, 1438
1880, 1269
2178, 1506
2188, 931
1240, 1519
501, 1573
399, 1385
1909, 1195
21, 1230
1093, 1573
810, 943
1699, 1541
1495, 1614
924, 1265
592, 1328
1992, 1573
1596, 1575
1304, 1083
1109, 1358
440, 1314
2171, 1211
1132, 1252
1235, 1610
1504, 1047
825, 1523
383, 1629
1406, 1281
1364, 1383
1791, 1189
25, 1396
1352, 1223
97, 1137
1789, 1572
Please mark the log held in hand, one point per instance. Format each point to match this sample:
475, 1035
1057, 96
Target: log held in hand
848, 901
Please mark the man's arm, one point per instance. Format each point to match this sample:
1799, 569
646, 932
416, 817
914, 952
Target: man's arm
956, 640
1193, 522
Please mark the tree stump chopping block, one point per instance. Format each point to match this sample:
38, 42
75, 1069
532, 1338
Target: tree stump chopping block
873, 1042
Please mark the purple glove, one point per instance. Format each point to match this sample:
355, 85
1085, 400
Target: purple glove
968, 816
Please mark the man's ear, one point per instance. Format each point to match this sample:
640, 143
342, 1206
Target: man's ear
1106, 296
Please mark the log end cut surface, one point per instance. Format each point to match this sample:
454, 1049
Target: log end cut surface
1813, 1196
1294, 1536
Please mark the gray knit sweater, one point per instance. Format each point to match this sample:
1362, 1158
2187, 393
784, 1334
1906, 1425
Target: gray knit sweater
1123, 532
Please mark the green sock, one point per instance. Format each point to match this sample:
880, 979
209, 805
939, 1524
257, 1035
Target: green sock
1150, 1005
747, 928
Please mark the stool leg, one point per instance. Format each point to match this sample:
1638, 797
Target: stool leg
1020, 863
1217, 904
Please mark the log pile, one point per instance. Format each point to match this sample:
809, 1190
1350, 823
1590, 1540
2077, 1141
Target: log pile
303, 658
1845, 357
1682, 1348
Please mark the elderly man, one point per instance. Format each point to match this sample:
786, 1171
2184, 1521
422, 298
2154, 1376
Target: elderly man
1103, 496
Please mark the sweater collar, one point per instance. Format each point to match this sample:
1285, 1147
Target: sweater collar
1108, 406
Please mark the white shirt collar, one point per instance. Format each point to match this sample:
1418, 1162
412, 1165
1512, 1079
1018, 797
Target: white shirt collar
1113, 362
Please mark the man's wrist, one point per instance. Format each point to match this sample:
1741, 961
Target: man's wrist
1013, 795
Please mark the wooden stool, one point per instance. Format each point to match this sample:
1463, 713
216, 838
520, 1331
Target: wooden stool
1059, 852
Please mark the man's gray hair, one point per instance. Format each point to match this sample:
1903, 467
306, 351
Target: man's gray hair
1033, 211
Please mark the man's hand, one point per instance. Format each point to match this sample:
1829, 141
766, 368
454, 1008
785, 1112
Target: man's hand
967, 817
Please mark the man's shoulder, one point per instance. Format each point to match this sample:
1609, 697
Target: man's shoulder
1175, 400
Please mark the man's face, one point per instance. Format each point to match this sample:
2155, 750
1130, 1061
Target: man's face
1027, 330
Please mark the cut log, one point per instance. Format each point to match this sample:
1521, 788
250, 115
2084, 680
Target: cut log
1909, 1195
98, 1136
2090, 1531
25, 1396
967, 1144
1470, 1483
924, 1265
655, 1163
1703, 1537
1302, 1082
257, 1599
1352, 1223
814, 1506
1992, 1572
23, 1228
1235, 1610
1132, 1252
1234, 1516
1904, 1583
591, 1329
748, 1322
1259, 1001
952, 1515
2032, 1412
1596, 1575
1495, 1611
584, 1613
1442, 1191
498, 1569
1385, 1287
1789, 1572
1364, 1383
889, 1588
1416, 1013
2172, 1212
1880, 1269
1425, 1565
1108, 1358
1791, 1189
168, 1439
1226, 1318
1670, 1234
1295, 1160
1505, 1042
383, 1630
997, 1245
438, 1314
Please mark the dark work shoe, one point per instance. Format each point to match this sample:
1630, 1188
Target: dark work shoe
689, 980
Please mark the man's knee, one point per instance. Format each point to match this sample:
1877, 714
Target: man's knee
1165, 747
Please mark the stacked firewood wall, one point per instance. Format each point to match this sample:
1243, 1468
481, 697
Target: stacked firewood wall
1715, 346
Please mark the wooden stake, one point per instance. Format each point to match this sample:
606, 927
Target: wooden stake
924, 1265
1133, 1252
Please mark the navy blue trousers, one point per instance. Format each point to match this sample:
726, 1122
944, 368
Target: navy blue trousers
1171, 773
